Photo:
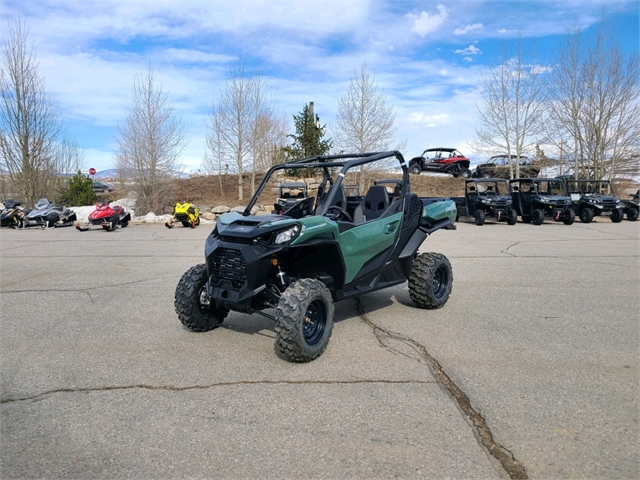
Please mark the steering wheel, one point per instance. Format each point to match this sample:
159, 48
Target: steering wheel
341, 213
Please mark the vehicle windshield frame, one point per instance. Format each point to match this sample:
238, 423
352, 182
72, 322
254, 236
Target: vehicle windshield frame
342, 162
494, 182
555, 187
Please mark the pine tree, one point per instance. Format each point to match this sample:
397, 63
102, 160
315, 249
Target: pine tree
308, 141
79, 191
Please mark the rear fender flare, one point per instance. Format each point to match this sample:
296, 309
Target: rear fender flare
413, 244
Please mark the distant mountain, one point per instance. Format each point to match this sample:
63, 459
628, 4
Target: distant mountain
110, 173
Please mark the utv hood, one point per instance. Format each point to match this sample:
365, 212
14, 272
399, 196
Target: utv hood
602, 198
233, 224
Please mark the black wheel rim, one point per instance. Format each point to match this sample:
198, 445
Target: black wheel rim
314, 322
440, 280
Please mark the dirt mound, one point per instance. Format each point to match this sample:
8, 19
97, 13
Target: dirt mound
214, 190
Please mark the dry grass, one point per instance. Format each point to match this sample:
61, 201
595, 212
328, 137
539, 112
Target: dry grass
206, 190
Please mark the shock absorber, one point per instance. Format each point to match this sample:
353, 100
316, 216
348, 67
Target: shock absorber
283, 277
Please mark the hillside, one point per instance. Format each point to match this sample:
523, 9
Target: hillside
212, 190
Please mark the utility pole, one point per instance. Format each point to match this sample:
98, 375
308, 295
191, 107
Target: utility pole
314, 118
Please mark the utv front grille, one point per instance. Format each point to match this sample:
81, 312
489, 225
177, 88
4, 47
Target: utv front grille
229, 264
240, 240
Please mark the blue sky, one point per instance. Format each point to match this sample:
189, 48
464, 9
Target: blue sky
428, 56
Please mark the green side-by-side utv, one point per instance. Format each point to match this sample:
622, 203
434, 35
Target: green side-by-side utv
292, 265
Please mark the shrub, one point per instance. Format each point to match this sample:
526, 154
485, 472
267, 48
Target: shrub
79, 191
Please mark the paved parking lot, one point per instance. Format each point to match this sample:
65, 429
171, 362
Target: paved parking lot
540, 335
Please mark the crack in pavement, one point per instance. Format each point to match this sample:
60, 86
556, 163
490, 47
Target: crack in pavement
212, 385
513, 467
509, 253
87, 289
609, 233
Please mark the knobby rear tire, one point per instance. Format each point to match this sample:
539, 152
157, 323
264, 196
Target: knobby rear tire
415, 169
569, 217
537, 217
586, 215
617, 215
431, 280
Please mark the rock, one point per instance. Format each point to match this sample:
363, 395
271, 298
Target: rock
238, 209
221, 209
208, 216
310, 181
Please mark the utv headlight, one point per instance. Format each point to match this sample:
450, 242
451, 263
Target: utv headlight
618, 202
287, 235
545, 199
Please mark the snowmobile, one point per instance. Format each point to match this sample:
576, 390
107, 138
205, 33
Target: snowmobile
106, 216
185, 213
46, 215
13, 214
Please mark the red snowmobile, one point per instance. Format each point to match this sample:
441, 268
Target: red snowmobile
108, 217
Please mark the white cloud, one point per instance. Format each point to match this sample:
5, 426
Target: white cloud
540, 69
429, 120
427, 23
195, 56
90, 51
470, 50
125, 21
468, 28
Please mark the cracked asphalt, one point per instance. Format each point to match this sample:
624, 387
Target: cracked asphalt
530, 370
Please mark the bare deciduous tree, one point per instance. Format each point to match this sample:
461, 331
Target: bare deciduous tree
266, 126
150, 143
514, 104
31, 128
365, 119
214, 155
242, 126
595, 102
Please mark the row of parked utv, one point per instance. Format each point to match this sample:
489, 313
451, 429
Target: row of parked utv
534, 199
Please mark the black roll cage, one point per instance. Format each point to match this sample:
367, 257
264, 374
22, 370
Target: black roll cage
329, 161
536, 183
